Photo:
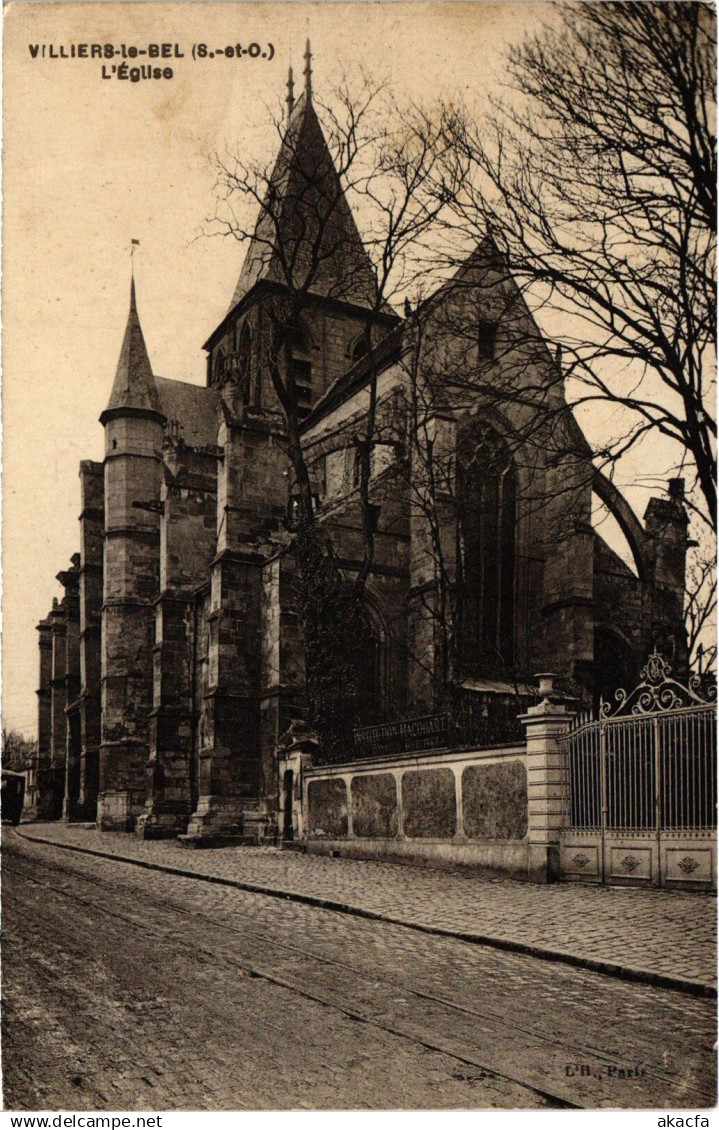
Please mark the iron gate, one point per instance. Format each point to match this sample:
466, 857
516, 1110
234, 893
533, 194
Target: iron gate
641, 786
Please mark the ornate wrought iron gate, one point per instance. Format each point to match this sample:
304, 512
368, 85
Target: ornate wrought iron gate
640, 786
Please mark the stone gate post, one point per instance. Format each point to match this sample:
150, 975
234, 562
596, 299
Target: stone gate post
295, 751
545, 724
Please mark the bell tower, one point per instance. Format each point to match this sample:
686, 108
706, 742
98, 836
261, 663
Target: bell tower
307, 280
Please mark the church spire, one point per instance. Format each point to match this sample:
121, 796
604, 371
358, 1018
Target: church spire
290, 93
304, 191
134, 387
308, 70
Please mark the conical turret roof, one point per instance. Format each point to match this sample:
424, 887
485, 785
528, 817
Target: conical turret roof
306, 233
134, 387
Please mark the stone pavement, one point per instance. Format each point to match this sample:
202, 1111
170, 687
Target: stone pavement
127, 987
665, 937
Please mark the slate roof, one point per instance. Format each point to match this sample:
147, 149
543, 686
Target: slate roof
304, 191
134, 385
193, 407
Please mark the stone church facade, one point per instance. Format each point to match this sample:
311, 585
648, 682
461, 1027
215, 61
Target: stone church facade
172, 670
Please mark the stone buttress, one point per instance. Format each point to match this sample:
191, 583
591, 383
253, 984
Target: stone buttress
58, 704
45, 777
187, 548
92, 522
251, 502
70, 580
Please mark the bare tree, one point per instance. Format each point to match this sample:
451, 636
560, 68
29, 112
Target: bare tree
700, 611
595, 187
598, 173
18, 752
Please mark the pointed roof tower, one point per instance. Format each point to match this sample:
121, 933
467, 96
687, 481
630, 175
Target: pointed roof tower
134, 388
305, 211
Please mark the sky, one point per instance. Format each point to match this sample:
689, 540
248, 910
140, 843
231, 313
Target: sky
91, 163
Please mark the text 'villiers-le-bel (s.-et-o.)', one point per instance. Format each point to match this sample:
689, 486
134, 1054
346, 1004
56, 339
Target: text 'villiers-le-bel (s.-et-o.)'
136, 63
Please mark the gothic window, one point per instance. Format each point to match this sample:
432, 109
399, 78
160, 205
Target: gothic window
370, 696
220, 367
293, 511
614, 666
293, 508
356, 467
487, 501
486, 339
335, 474
302, 368
359, 347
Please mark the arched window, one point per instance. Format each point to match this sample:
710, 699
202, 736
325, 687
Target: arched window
243, 363
219, 368
487, 504
370, 701
301, 346
359, 347
614, 666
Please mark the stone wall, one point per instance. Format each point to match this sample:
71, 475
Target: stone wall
466, 808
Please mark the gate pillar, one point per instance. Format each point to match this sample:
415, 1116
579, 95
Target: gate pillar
545, 725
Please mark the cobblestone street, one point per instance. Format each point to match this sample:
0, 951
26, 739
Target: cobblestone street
659, 932
127, 988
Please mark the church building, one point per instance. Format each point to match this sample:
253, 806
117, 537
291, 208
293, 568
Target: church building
173, 669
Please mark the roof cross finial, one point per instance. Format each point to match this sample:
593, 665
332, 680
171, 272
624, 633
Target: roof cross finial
308, 69
290, 93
